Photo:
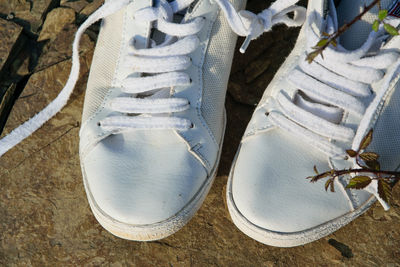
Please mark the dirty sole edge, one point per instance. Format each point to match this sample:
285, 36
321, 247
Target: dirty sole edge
282, 239
160, 230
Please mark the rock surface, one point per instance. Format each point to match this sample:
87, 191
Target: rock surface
55, 22
9, 35
27, 13
45, 219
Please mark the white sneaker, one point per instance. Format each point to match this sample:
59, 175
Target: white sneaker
309, 115
154, 119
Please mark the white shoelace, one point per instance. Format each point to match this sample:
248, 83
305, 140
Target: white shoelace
166, 62
336, 83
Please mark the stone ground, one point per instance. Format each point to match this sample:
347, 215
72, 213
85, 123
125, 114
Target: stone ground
45, 219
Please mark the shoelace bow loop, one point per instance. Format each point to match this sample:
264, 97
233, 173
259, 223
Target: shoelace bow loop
252, 26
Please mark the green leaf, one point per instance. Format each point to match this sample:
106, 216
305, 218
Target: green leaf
351, 153
375, 25
322, 42
359, 182
369, 156
390, 29
373, 165
382, 14
385, 191
366, 140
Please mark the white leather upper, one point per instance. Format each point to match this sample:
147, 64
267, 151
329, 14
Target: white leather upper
199, 138
138, 178
146, 176
269, 185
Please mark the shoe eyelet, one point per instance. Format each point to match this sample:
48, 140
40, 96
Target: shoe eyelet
192, 125
99, 124
190, 81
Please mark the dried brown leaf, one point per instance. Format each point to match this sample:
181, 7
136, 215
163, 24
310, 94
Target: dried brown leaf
328, 183
333, 186
369, 156
316, 170
385, 191
319, 176
311, 56
366, 140
373, 165
351, 153
311, 178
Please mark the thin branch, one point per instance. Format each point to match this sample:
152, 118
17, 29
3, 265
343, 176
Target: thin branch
332, 38
343, 172
337, 173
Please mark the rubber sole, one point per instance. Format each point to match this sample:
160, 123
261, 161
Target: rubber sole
150, 232
283, 239
160, 230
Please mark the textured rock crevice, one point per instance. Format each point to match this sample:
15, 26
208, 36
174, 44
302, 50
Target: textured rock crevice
25, 52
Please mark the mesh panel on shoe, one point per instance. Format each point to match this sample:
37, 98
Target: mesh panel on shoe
386, 141
216, 70
356, 35
104, 63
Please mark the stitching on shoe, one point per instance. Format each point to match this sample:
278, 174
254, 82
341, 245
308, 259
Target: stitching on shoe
200, 88
106, 98
392, 86
200, 77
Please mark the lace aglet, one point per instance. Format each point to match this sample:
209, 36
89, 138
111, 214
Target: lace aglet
385, 205
246, 44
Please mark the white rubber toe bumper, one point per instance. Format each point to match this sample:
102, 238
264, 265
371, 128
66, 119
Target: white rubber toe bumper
139, 189
270, 199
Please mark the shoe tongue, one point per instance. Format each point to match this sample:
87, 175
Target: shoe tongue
159, 37
357, 34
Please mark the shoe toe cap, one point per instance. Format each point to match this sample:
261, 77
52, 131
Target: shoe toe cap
141, 178
270, 189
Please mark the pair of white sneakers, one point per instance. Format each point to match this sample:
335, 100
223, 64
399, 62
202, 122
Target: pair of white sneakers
154, 119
